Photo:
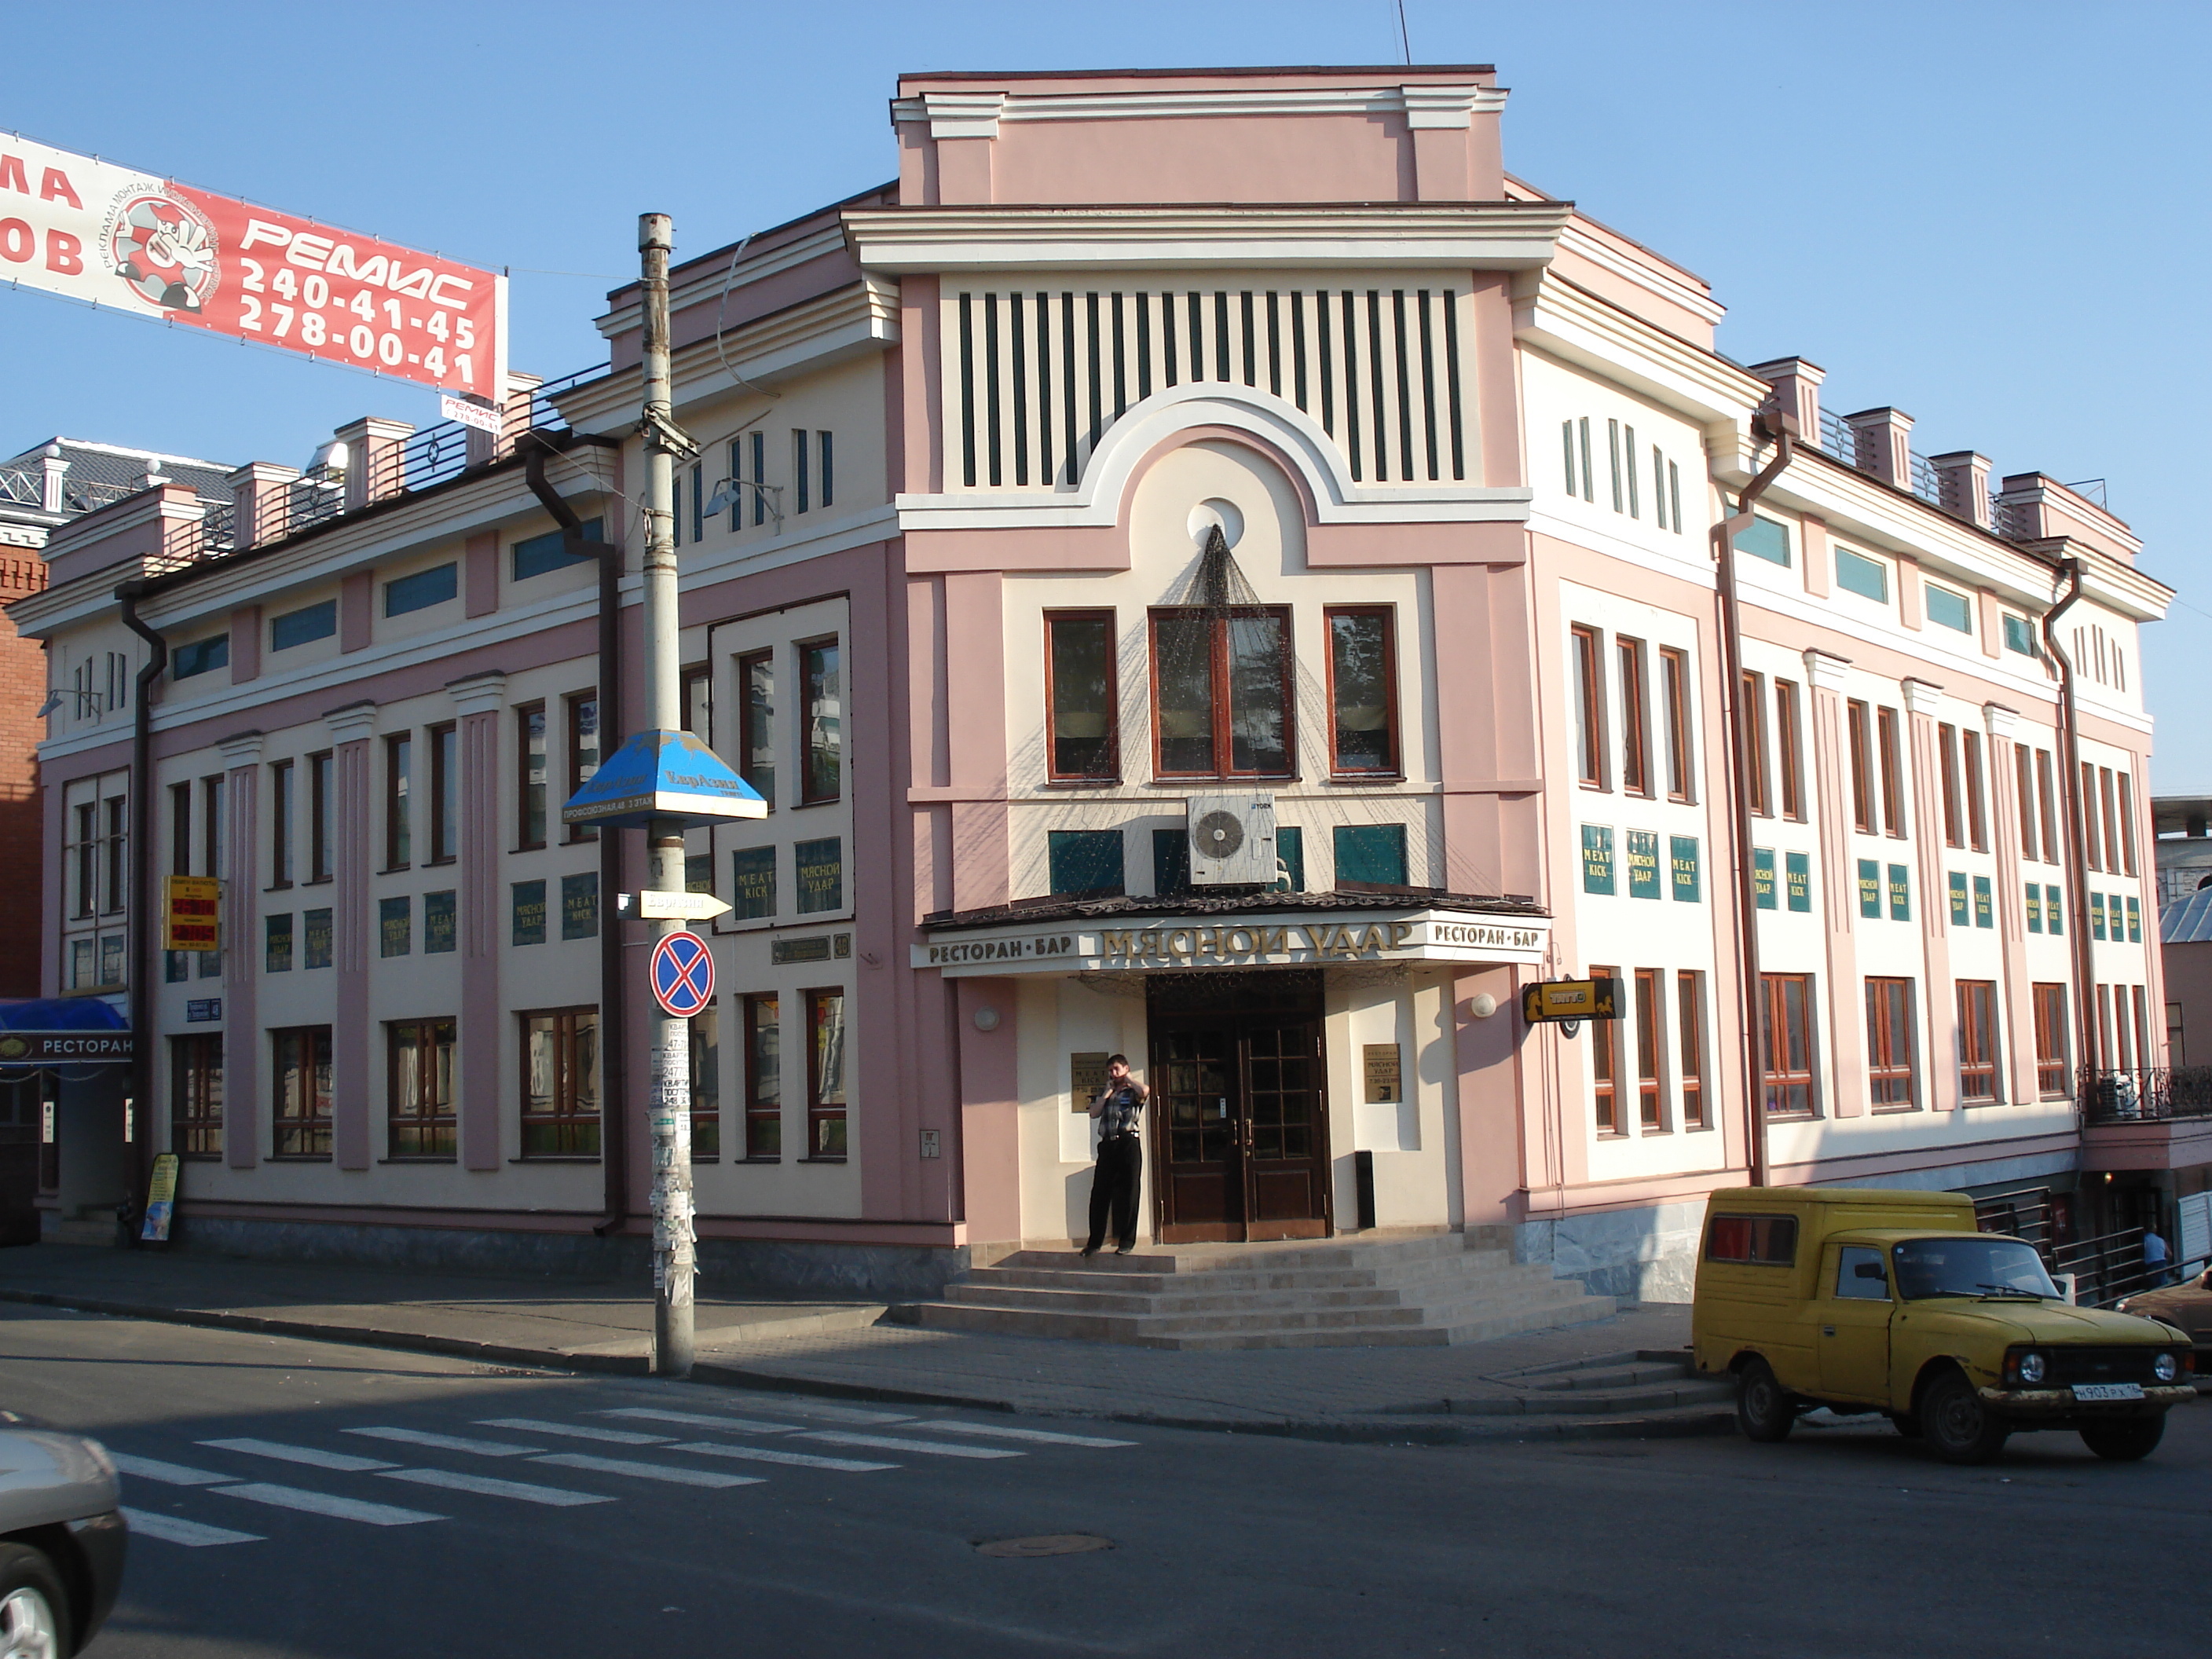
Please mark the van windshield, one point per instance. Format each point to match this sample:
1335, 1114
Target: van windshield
1969, 1264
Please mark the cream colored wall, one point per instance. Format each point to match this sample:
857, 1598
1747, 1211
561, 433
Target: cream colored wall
1414, 1142
1058, 1017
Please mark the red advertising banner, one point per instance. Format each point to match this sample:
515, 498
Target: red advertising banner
96, 232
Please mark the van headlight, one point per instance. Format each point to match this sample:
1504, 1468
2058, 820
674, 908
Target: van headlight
2031, 1367
2166, 1368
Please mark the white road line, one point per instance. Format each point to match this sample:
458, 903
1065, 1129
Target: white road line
647, 1470
770, 1455
318, 1503
449, 1441
1044, 1437
314, 1458
170, 1475
932, 1448
791, 1405
193, 1535
703, 1419
612, 1437
521, 1490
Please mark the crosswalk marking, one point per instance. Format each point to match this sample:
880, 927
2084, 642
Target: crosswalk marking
791, 1405
647, 1470
703, 1419
318, 1503
770, 1455
170, 1475
313, 1456
449, 1441
885, 1443
1042, 1437
193, 1535
521, 1490
575, 1431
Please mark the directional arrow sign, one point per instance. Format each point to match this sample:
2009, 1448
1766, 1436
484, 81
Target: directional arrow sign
673, 907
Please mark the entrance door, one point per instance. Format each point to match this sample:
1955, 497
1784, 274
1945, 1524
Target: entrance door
1240, 1136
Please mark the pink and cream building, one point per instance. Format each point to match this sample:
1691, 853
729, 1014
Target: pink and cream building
1162, 463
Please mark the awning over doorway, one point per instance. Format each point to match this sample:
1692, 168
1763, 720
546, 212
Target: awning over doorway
75, 1037
1244, 930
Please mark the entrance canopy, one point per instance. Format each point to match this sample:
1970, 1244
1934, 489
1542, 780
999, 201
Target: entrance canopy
1246, 930
63, 1035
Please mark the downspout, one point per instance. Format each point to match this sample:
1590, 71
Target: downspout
2077, 868
1782, 428
138, 1155
614, 1142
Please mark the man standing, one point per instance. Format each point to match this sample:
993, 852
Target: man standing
1121, 1169
2154, 1250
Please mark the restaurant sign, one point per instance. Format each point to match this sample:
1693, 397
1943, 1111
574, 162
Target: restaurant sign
1250, 941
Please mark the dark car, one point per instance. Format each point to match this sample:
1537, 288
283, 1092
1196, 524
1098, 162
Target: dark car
62, 1537
2186, 1306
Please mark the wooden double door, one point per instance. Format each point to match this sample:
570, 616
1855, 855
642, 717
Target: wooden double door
1240, 1109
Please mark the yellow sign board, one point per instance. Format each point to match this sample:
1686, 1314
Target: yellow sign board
192, 917
1571, 999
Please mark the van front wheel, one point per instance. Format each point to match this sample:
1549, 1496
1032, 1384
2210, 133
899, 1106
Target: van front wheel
1958, 1424
1764, 1410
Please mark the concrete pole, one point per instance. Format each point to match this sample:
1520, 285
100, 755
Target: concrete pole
674, 1257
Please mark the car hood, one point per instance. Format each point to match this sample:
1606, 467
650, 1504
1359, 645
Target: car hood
46, 1476
2043, 1322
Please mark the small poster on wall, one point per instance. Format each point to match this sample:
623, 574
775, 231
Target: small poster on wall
1380, 1063
1086, 1078
161, 1200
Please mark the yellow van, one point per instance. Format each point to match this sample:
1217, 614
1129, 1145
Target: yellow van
1874, 1300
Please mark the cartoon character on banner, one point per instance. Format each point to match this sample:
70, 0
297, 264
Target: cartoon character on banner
164, 248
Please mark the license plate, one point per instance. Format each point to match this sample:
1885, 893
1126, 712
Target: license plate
2108, 1391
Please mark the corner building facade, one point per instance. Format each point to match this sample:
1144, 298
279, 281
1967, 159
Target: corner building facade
1164, 462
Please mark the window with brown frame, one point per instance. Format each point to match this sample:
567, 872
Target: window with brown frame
560, 1083
1221, 693
399, 801
1605, 1064
763, 1080
279, 825
1589, 710
1893, 773
321, 798
822, 761
445, 742
1788, 737
1889, 1043
2127, 822
2091, 849
583, 712
1635, 721
115, 844
1363, 691
1977, 1039
2104, 1056
529, 779
196, 1096
2142, 1027
2111, 819
1690, 1045
2052, 1038
707, 1084
300, 1091
1859, 732
825, 1075
2046, 793
1946, 762
1978, 827
2120, 1057
1650, 1090
756, 723
419, 1089
2024, 767
1674, 675
1787, 1040
181, 828
1081, 743
1751, 712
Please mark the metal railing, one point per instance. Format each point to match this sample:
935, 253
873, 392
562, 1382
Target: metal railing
1838, 439
2105, 1268
2145, 1095
1925, 482
20, 487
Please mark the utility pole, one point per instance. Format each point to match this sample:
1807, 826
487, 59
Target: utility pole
674, 1257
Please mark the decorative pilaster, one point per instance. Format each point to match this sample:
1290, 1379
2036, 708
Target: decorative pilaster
2012, 935
241, 948
351, 729
1823, 676
1922, 702
478, 704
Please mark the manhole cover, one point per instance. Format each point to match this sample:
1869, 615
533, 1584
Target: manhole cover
1051, 1543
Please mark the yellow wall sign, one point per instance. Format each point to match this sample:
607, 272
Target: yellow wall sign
192, 917
1571, 999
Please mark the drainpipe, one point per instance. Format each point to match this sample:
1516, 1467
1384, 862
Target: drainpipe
614, 1143
138, 1155
2077, 867
1782, 428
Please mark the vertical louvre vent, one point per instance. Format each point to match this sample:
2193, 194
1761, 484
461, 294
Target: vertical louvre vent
1040, 373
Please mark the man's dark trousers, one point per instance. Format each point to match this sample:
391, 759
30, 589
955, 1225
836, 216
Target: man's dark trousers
1114, 1182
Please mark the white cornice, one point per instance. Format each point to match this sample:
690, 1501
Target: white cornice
1480, 235
479, 693
1594, 334
1579, 239
979, 114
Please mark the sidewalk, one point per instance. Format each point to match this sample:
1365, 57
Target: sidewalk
1476, 1391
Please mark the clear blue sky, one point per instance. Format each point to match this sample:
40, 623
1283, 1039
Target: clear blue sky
1993, 217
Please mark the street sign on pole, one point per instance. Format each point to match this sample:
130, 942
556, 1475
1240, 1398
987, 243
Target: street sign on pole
683, 975
654, 906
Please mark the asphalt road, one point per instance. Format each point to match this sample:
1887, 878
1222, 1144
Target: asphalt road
302, 1498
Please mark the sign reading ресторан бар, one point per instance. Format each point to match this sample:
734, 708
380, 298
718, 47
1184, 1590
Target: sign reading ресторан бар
1254, 941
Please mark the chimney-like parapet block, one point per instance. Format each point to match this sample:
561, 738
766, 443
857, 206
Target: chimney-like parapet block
1885, 443
1962, 485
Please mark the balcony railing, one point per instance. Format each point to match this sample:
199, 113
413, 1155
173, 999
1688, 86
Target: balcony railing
20, 487
2151, 1095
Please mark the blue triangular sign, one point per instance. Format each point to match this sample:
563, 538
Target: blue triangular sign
662, 774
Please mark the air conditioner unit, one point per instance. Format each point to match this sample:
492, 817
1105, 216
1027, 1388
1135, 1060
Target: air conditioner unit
1232, 839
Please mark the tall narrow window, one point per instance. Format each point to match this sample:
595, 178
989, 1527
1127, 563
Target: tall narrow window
1658, 488
116, 844
763, 1080
1977, 828
419, 1076
1977, 1039
1788, 737
1079, 697
87, 860
1889, 1043
1787, 1043
1589, 485
1605, 1064
800, 472
280, 823
181, 828
1567, 443
398, 805
196, 1096
2121, 1058
2142, 1027
2104, 1055
756, 740
825, 1074
1893, 773
1651, 1092
1363, 692
445, 793
1221, 689
300, 1082
1690, 1045
1612, 443
1628, 465
2025, 768
1635, 721
2092, 849
1589, 710
1859, 733
2050, 1042
1946, 758
1674, 673
826, 476
2046, 793
530, 775
583, 751
1752, 712
561, 1084
211, 825
2127, 821
822, 684
321, 798
706, 1084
